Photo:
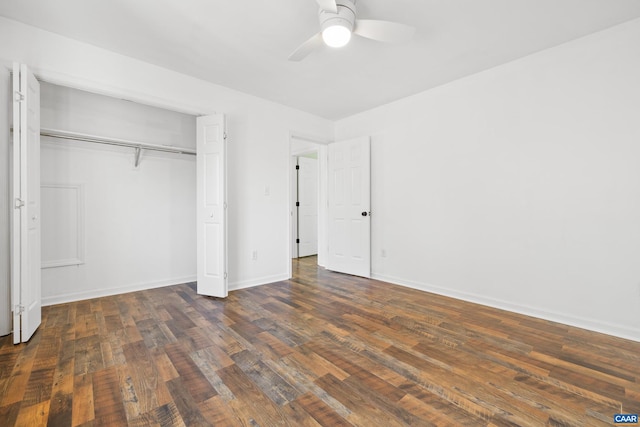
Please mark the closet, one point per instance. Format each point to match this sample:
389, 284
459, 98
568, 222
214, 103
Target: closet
115, 218
118, 196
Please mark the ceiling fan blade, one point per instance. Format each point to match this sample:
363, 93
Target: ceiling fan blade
384, 31
306, 48
328, 5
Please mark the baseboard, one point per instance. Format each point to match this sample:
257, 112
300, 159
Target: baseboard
95, 293
620, 331
257, 282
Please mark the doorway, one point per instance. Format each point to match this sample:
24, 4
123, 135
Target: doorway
305, 216
357, 247
307, 165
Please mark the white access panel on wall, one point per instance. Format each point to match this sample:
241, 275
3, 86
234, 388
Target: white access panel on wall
212, 204
349, 200
25, 219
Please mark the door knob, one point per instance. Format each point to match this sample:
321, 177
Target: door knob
366, 213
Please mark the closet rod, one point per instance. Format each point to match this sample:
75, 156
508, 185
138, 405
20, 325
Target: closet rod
53, 133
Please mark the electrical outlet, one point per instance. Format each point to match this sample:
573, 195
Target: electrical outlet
254, 255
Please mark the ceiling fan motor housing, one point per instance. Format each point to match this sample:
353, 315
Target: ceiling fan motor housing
346, 16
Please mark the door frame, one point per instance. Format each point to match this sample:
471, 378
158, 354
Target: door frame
292, 203
321, 147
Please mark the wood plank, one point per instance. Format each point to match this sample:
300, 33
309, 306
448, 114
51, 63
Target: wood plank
367, 412
184, 402
88, 355
298, 416
144, 377
217, 412
256, 406
197, 384
165, 415
61, 407
108, 401
35, 415
9, 413
271, 384
83, 405
321, 412
15, 387
38, 387
165, 368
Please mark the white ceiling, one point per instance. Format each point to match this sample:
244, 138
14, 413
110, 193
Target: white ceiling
244, 44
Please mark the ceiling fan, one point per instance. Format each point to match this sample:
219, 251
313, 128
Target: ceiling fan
337, 23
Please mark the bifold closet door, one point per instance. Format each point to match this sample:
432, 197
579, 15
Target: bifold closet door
212, 206
25, 220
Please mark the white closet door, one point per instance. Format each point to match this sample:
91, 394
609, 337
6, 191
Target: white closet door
25, 239
349, 213
211, 210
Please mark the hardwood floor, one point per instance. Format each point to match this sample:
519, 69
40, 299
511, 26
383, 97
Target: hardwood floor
321, 349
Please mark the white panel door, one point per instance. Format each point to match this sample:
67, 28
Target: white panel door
25, 238
349, 207
308, 209
211, 210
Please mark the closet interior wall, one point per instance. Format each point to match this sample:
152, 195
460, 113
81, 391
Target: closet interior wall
109, 226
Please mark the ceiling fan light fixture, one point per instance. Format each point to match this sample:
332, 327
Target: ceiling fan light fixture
336, 35
338, 22
336, 27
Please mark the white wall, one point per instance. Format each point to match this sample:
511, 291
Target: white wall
134, 228
5, 106
258, 135
518, 187
69, 109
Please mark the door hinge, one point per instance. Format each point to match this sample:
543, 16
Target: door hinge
297, 203
224, 205
224, 136
19, 96
18, 309
297, 167
297, 240
225, 275
18, 203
